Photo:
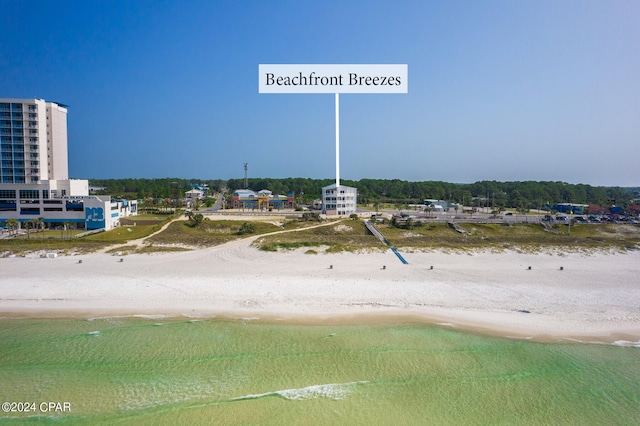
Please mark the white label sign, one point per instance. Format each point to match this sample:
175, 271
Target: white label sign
325, 78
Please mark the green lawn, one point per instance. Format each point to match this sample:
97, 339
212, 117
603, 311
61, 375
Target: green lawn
66, 241
122, 234
21, 246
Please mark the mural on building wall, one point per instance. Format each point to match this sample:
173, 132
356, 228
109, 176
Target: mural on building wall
94, 217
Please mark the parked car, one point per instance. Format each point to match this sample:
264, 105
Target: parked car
561, 218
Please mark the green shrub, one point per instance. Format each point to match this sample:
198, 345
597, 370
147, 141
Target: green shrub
247, 228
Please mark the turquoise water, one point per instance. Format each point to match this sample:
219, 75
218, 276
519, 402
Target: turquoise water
180, 371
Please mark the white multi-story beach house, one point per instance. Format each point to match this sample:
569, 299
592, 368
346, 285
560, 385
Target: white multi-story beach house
34, 171
339, 200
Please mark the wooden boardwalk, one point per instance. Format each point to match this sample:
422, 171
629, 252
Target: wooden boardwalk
372, 228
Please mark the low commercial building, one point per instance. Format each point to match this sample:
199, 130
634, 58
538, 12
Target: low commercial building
339, 200
261, 200
438, 205
62, 203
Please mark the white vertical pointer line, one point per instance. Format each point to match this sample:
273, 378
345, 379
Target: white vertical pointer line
337, 140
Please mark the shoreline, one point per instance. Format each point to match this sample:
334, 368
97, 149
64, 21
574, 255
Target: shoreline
627, 338
594, 298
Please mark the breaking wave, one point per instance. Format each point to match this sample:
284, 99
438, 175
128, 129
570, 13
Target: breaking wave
335, 391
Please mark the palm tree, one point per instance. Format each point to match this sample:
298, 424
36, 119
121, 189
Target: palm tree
429, 210
376, 205
13, 225
40, 223
30, 224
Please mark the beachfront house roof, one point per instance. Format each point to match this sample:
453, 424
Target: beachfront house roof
342, 187
194, 193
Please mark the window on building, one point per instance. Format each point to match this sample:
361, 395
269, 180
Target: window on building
75, 206
30, 210
29, 193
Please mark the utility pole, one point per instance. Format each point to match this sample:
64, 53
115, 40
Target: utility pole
246, 176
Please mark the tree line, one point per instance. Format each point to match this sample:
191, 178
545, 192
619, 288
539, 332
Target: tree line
526, 194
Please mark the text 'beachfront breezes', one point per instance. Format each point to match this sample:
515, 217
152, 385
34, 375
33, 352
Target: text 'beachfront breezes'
336, 78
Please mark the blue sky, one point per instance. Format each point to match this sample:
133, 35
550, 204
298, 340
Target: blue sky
498, 90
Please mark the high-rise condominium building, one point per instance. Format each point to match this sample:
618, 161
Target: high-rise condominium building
34, 173
33, 141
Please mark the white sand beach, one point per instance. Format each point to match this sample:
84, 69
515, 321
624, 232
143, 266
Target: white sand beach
594, 298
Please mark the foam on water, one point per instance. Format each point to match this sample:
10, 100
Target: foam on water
626, 343
335, 391
164, 391
145, 316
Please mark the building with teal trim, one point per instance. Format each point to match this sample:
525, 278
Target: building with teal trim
62, 203
339, 200
34, 176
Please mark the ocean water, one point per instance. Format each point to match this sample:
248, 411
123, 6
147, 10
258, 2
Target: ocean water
183, 372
